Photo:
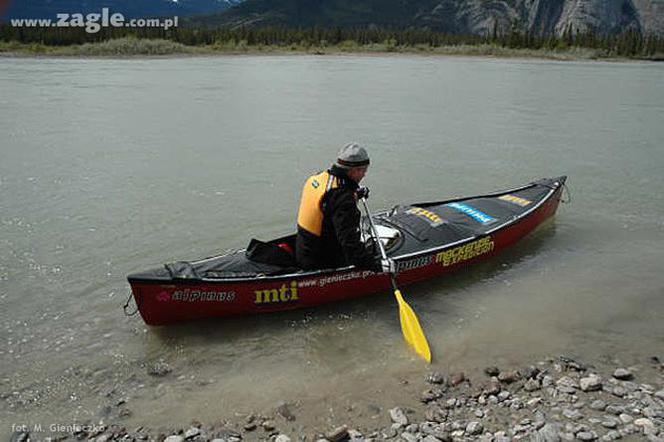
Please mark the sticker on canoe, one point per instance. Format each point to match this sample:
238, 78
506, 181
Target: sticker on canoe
432, 218
515, 200
188, 295
465, 252
472, 212
286, 293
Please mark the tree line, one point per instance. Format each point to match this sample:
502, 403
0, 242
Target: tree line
629, 43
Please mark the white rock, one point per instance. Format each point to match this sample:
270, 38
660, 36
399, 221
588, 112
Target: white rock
591, 383
282, 438
474, 428
174, 438
398, 416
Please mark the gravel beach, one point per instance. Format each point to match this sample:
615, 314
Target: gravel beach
558, 399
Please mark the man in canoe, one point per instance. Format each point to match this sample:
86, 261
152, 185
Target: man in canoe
328, 221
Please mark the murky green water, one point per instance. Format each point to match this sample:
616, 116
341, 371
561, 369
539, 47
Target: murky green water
113, 166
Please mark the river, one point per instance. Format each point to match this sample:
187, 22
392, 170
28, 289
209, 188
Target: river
110, 166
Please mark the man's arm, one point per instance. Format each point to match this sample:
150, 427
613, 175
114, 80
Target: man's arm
346, 221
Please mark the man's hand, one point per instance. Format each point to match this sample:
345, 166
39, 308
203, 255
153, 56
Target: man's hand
362, 192
388, 265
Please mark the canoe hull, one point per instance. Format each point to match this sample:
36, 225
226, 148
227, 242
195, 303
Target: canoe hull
175, 301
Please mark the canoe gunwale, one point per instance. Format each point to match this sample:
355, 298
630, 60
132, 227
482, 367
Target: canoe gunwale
558, 183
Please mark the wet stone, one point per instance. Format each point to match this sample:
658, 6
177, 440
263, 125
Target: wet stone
398, 416
572, 414
531, 385
338, 434
435, 378
623, 374
159, 369
284, 411
548, 433
598, 405
586, 435
474, 428
435, 414
507, 377
457, 378
431, 395
591, 383
492, 371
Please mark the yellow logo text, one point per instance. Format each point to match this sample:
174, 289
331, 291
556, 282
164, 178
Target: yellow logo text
465, 252
285, 293
515, 200
431, 217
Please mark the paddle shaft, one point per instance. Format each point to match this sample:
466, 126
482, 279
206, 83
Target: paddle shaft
377, 238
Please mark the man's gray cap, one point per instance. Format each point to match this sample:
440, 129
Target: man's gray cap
352, 155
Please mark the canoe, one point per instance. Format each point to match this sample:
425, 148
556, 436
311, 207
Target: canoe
426, 240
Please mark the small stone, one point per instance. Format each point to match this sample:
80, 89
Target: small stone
174, 438
586, 435
591, 383
492, 371
435, 378
435, 414
572, 414
530, 372
430, 438
507, 377
282, 438
623, 374
548, 433
479, 413
503, 396
250, 426
431, 395
625, 418
598, 405
567, 385
192, 433
412, 428
159, 369
612, 435
531, 385
285, 412
619, 392
493, 388
102, 438
610, 423
547, 381
398, 416
615, 409
644, 423
474, 428
268, 426
457, 378
408, 437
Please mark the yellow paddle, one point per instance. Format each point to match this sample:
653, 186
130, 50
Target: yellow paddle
410, 325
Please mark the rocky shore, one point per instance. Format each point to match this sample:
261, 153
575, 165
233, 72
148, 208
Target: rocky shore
559, 399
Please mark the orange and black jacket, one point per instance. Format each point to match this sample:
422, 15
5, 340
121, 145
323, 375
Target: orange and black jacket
328, 231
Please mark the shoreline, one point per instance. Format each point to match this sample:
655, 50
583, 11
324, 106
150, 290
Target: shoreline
555, 399
127, 48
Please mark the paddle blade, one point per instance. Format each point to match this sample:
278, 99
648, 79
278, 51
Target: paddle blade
412, 331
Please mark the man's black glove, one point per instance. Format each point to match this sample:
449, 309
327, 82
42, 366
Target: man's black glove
362, 192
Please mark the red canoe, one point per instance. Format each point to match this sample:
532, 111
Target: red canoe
425, 239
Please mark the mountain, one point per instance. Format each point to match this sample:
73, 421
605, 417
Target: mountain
450, 16
129, 8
